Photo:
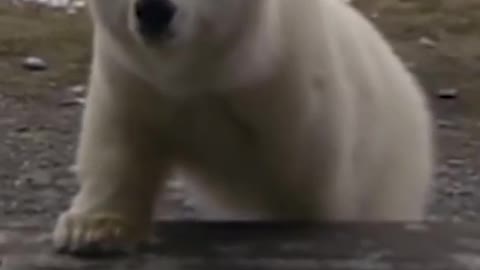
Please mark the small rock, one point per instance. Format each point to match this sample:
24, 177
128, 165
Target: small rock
72, 102
22, 129
37, 178
456, 219
456, 162
72, 10
80, 101
72, 169
79, 4
34, 63
175, 185
468, 260
13, 205
3, 240
18, 183
445, 123
427, 42
78, 89
448, 93
188, 203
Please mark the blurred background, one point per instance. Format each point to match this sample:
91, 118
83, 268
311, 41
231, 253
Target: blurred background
44, 57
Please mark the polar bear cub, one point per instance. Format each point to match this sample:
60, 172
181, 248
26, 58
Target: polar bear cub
275, 109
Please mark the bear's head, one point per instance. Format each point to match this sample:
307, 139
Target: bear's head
225, 41
164, 22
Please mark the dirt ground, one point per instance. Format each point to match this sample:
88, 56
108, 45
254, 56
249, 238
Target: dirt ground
39, 111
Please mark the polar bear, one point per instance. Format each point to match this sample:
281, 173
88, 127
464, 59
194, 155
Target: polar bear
272, 109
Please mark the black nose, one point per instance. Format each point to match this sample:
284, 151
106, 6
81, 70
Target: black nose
154, 16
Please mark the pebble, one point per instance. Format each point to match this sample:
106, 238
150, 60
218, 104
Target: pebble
72, 169
427, 42
78, 89
448, 93
70, 6
34, 63
22, 129
72, 102
188, 203
445, 123
37, 178
175, 185
13, 205
456, 162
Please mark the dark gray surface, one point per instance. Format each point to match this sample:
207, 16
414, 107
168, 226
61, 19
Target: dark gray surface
266, 246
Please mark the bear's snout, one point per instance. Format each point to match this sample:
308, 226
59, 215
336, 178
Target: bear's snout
154, 17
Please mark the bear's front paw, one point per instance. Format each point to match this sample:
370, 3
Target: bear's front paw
99, 234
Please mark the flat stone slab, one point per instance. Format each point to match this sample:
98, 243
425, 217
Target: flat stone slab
242, 246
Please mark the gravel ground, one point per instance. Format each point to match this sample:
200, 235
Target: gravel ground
40, 103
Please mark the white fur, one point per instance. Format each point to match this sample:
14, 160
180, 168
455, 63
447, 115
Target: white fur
275, 109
